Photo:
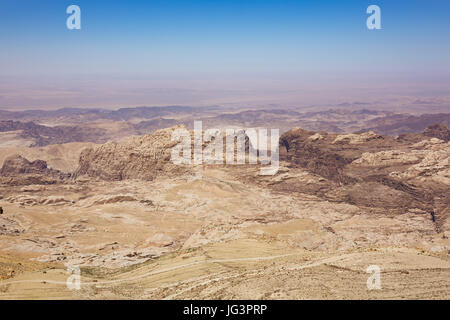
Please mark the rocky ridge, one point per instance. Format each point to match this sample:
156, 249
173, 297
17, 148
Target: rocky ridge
17, 170
142, 157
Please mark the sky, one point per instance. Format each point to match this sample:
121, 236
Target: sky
131, 53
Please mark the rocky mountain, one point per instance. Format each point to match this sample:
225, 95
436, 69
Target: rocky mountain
41, 128
439, 131
397, 124
83, 115
142, 157
145, 127
17, 170
388, 174
337, 204
391, 175
46, 135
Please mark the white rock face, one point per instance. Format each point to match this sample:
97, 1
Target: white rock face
353, 138
315, 137
389, 158
427, 159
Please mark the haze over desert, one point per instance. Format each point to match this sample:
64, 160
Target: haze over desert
235, 158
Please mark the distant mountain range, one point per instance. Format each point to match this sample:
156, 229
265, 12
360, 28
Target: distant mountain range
100, 125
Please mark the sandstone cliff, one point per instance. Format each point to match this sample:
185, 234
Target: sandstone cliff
143, 158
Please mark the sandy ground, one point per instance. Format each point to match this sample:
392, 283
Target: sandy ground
208, 235
228, 271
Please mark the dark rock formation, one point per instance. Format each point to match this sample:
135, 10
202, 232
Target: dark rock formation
17, 170
368, 170
17, 165
439, 131
44, 135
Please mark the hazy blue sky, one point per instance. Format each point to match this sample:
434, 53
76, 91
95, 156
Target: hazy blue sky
184, 52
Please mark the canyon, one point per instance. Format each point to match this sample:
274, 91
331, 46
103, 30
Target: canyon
139, 226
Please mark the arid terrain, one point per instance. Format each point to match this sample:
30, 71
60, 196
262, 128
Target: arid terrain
97, 190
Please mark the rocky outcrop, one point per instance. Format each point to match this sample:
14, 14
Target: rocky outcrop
142, 158
17, 164
390, 175
325, 154
439, 131
10, 227
17, 170
330, 155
